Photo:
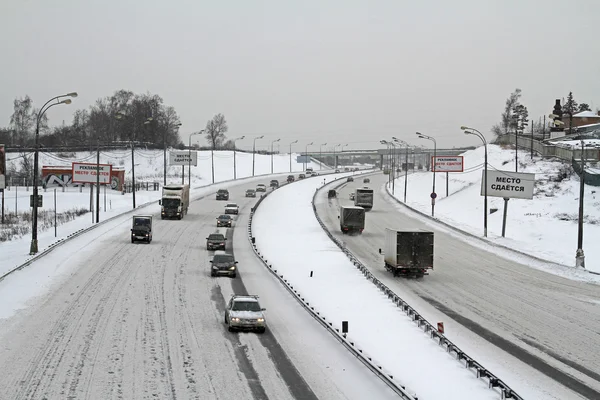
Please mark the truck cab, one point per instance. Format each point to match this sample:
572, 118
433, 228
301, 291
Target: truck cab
175, 201
141, 228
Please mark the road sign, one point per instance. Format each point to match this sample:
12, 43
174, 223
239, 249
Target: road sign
433, 195
514, 185
447, 163
183, 157
40, 202
88, 173
440, 326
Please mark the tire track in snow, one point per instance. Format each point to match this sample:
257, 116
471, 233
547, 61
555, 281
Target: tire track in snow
42, 370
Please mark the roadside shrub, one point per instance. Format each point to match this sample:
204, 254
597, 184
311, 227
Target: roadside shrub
18, 225
564, 172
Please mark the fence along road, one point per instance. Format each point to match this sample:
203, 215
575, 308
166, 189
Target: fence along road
549, 322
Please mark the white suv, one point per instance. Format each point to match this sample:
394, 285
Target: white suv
244, 313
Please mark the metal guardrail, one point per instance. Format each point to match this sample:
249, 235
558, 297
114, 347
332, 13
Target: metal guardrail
481, 372
350, 345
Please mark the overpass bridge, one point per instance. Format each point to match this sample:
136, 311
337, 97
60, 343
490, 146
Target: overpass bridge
417, 157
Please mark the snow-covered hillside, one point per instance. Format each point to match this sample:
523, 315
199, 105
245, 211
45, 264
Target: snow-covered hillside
545, 227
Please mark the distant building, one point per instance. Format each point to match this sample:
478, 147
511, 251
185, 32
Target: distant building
583, 118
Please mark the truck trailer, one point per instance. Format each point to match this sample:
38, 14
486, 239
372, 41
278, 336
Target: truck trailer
364, 198
175, 201
352, 219
408, 253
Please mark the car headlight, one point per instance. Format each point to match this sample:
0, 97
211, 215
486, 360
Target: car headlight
232, 268
260, 320
235, 319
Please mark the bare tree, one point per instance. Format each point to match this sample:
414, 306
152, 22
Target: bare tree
506, 121
215, 131
507, 115
519, 118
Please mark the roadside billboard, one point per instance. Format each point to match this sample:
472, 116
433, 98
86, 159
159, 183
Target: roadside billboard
182, 157
88, 173
448, 164
512, 185
2, 167
62, 176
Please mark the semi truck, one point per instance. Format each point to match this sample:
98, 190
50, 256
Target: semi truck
175, 201
408, 252
352, 219
364, 198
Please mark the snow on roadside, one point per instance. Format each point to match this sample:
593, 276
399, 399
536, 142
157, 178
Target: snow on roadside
295, 244
545, 227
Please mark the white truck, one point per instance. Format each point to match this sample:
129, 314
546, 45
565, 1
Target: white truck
408, 252
175, 201
364, 198
352, 219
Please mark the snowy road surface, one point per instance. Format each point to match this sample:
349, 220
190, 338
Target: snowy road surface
146, 321
547, 321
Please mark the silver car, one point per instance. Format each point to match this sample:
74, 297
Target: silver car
245, 313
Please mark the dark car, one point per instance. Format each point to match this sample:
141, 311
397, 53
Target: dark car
350, 179
274, 183
223, 264
331, 193
366, 180
215, 241
291, 178
222, 194
301, 176
250, 193
224, 220
337, 171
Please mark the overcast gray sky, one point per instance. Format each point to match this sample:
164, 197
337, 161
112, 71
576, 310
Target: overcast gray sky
335, 71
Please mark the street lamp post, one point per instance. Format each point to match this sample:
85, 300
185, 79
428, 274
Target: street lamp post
295, 141
234, 166
274, 141
254, 151
190, 161
389, 160
33, 248
321, 156
165, 152
433, 194
579, 255
306, 155
400, 142
475, 132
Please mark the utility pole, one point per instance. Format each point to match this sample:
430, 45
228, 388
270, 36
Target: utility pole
97, 181
579, 255
531, 140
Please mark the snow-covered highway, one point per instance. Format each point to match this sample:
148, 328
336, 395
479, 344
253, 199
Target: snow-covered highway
543, 320
146, 321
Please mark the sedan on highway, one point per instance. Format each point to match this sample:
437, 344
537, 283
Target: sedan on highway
223, 264
245, 313
224, 220
250, 193
261, 187
232, 208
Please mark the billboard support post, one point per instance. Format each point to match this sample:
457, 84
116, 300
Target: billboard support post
504, 216
446, 183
